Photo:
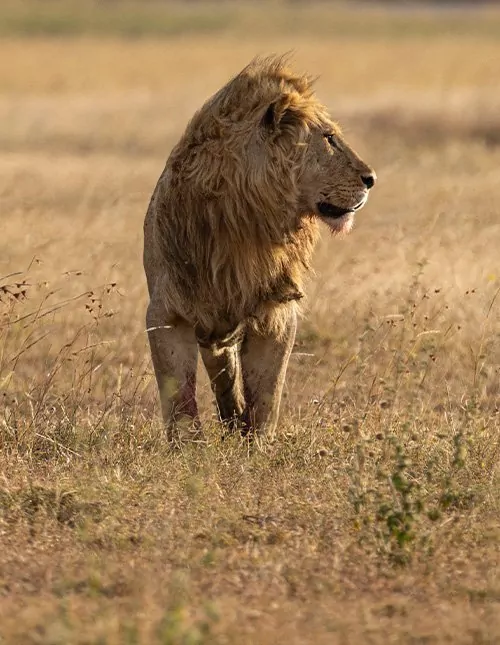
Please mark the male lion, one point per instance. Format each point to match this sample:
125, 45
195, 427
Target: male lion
228, 237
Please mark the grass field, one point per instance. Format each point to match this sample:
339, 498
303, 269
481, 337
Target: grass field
373, 517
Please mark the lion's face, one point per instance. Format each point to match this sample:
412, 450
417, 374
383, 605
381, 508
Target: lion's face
335, 182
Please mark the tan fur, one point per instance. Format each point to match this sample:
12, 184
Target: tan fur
229, 234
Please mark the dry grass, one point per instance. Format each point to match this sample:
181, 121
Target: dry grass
373, 518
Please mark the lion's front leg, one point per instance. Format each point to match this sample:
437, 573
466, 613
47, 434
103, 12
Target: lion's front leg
223, 366
174, 352
264, 363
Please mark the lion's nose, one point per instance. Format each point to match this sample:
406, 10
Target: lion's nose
369, 180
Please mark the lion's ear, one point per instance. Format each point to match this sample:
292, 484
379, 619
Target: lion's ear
277, 114
271, 118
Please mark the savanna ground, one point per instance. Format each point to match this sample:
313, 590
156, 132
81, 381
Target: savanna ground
373, 517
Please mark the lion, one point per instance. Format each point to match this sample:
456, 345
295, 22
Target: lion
228, 239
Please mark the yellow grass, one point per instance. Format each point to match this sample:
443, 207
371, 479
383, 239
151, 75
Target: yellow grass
373, 518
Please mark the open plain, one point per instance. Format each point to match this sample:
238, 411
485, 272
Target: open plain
374, 515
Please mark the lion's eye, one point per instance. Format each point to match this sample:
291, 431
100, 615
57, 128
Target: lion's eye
332, 141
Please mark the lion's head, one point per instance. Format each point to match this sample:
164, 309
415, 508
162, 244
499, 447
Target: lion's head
270, 151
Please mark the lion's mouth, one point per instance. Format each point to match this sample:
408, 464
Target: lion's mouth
325, 209
329, 210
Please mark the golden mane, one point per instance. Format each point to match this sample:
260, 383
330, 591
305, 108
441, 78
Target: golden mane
227, 217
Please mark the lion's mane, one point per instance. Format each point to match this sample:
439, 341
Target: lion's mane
226, 208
